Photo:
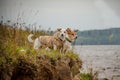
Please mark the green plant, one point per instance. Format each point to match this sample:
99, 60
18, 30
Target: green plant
85, 76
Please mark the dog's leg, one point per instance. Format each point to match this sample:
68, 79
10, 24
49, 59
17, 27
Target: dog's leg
54, 47
70, 48
64, 49
48, 49
37, 43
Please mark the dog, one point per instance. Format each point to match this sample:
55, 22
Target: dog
71, 36
50, 42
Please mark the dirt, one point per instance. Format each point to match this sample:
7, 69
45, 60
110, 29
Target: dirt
45, 69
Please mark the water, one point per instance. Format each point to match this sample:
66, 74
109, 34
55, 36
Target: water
102, 58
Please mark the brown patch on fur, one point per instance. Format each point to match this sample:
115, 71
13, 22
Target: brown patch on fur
71, 34
48, 41
59, 29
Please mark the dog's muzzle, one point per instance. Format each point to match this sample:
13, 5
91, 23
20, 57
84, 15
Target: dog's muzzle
62, 35
76, 37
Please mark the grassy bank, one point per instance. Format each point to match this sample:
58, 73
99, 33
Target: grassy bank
19, 61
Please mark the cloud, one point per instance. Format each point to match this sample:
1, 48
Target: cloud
80, 14
108, 15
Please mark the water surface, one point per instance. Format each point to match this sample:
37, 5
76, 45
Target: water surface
102, 58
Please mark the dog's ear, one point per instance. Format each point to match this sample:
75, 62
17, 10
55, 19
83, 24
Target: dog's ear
76, 30
68, 30
59, 29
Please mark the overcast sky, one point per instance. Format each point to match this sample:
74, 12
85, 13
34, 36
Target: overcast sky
78, 14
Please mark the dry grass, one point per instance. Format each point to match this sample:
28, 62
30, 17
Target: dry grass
14, 39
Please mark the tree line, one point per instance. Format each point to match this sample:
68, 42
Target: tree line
99, 37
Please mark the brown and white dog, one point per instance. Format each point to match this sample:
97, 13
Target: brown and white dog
56, 41
71, 36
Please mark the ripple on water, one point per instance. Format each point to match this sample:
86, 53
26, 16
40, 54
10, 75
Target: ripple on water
103, 58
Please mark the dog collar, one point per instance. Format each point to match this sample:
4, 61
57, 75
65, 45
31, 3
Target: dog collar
59, 39
68, 40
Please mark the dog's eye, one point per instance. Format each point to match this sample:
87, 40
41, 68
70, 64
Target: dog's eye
64, 32
73, 34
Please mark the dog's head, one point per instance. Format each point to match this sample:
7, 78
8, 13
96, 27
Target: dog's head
62, 33
71, 35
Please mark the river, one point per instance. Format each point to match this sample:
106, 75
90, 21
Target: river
102, 58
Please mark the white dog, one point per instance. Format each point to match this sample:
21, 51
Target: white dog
56, 41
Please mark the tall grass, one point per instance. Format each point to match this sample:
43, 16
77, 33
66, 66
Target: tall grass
14, 46
13, 39
14, 42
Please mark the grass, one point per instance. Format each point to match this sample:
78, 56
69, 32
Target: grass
86, 76
14, 48
14, 44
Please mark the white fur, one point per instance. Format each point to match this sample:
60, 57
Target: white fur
54, 47
38, 44
48, 49
67, 46
30, 38
68, 43
63, 32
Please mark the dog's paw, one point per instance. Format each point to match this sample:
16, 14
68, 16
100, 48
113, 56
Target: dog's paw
48, 49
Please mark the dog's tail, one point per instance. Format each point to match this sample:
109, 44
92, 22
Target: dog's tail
30, 38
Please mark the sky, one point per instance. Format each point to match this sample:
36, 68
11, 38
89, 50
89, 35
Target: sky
76, 14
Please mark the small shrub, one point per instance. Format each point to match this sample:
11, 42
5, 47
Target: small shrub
85, 76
